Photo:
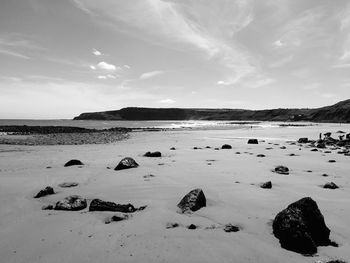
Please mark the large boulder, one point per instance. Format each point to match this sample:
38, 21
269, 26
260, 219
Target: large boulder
301, 227
126, 163
153, 154
47, 191
71, 203
73, 162
193, 201
99, 205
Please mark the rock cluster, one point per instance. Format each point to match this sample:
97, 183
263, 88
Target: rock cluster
73, 162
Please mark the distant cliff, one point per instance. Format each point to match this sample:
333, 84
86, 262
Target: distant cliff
339, 112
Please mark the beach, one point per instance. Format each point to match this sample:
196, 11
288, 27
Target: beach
229, 178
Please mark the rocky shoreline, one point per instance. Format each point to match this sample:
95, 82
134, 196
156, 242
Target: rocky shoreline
59, 135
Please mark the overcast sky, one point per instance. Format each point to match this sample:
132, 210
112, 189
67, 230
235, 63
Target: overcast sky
59, 58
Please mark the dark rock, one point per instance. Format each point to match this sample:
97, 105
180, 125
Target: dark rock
99, 205
73, 162
153, 154
197, 148
327, 152
325, 175
253, 141
47, 191
314, 150
336, 261
226, 146
301, 227
283, 147
68, 184
327, 134
303, 140
231, 228
216, 149
321, 145
282, 169
192, 226
47, 207
171, 225
292, 154
237, 153
341, 132
193, 201
260, 155
72, 203
116, 218
266, 185
126, 163
207, 147
330, 185
331, 161
173, 148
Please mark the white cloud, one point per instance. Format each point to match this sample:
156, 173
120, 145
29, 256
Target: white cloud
105, 66
13, 54
151, 74
167, 101
102, 77
92, 67
127, 66
279, 43
96, 52
281, 62
108, 76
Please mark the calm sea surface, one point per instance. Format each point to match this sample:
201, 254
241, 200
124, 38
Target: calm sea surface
153, 124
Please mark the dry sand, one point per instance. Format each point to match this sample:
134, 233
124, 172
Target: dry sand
29, 234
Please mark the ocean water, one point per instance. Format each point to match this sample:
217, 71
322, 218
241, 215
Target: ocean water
91, 124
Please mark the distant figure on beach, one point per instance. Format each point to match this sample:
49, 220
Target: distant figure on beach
320, 136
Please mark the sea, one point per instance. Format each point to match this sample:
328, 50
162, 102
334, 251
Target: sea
191, 124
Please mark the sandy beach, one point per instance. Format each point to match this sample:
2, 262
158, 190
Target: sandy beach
230, 182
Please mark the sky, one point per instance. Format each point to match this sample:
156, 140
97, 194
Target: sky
61, 58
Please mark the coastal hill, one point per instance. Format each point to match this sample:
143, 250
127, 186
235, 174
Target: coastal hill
339, 112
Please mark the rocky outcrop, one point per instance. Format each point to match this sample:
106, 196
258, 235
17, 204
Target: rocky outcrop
68, 184
301, 227
71, 203
126, 163
193, 201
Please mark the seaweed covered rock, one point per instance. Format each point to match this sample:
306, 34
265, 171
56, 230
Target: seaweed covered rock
193, 201
126, 163
71, 203
301, 227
